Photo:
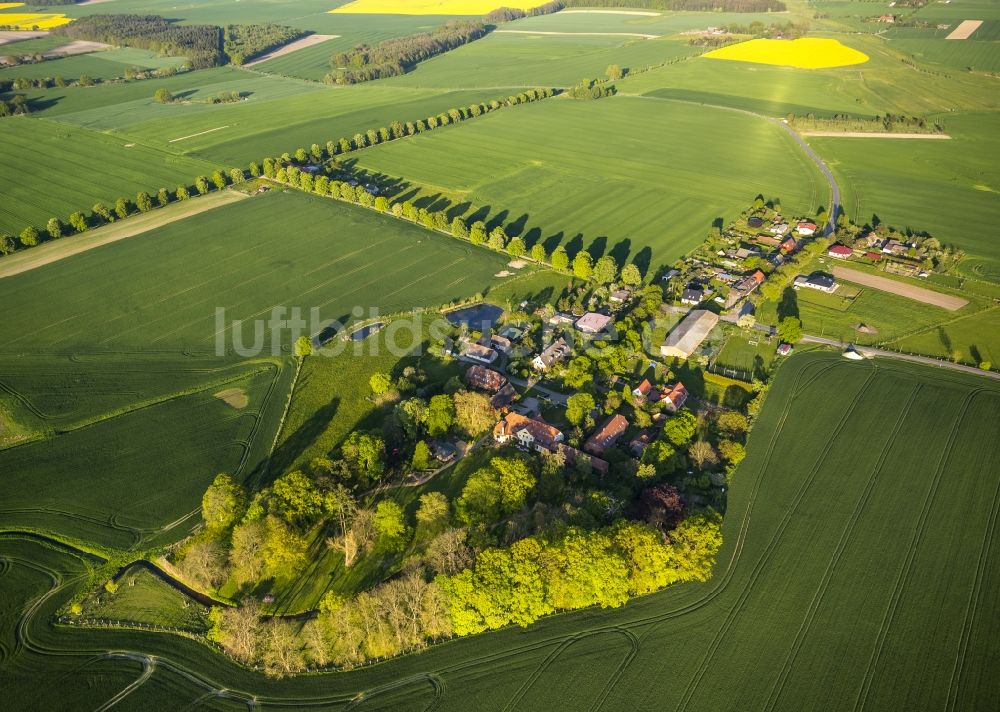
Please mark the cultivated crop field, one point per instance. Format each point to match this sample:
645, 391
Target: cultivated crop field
805, 508
332, 257
107, 64
640, 194
47, 170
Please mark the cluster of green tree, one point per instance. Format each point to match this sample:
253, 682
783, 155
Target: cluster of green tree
201, 44
46, 3
782, 277
399, 55
845, 122
243, 42
697, 5
756, 29
16, 60
14, 105
85, 80
920, 247
539, 575
226, 97
123, 207
506, 14
591, 89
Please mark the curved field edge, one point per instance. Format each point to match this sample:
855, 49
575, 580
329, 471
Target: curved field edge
787, 503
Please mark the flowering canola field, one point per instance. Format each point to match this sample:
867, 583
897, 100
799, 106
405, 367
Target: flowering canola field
433, 7
803, 53
29, 20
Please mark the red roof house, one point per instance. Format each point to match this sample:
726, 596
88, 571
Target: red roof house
840, 252
607, 435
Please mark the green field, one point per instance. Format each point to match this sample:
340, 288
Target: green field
793, 613
947, 188
146, 599
147, 428
650, 193
972, 339
107, 64
50, 170
539, 60
304, 252
306, 63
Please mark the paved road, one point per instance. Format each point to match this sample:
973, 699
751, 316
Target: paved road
870, 352
554, 396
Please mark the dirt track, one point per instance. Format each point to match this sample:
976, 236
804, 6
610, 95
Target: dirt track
964, 30
50, 252
872, 134
292, 47
919, 294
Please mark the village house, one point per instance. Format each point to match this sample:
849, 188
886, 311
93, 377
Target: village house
560, 318
779, 229
805, 228
593, 322
769, 240
641, 441
840, 252
889, 19
500, 343
606, 435
643, 390
692, 295
485, 379
894, 247
557, 352
687, 336
573, 456
784, 349
619, 296
744, 253
873, 256
817, 280
745, 286
472, 351
789, 245
675, 398
527, 433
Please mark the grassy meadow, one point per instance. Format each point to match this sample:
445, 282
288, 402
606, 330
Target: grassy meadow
106, 64
304, 252
638, 178
792, 612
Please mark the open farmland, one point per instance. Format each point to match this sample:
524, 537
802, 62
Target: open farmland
951, 187
792, 584
47, 170
304, 252
646, 199
539, 60
170, 437
106, 64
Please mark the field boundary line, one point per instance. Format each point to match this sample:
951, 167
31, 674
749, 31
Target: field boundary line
50, 252
875, 134
955, 681
864, 690
290, 48
902, 289
758, 568
577, 34
820, 593
200, 133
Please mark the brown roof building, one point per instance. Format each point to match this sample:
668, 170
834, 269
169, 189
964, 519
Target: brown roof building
485, 378
527, 433
607, 435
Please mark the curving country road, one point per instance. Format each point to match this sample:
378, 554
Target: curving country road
806, 148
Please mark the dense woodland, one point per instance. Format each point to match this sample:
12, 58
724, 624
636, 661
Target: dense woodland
243, 42
201, 44
506, 14
399, 55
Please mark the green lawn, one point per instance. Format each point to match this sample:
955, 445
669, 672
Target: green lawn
50, 170
639, 178
970, 339
947, 188
146, 599
161, 290
843, 454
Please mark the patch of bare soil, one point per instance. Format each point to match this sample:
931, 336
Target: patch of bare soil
234, 397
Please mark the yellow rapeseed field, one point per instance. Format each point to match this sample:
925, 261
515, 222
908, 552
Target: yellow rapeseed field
29, 20
433, 7
804, 53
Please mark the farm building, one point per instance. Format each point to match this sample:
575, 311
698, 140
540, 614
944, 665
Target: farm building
675, 398
527, 433
805, 228
593, 323
573, 456
606, 435
817, 280
485, 378
688, 335
479, 353
556, 352
692, 295
840, 252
